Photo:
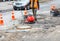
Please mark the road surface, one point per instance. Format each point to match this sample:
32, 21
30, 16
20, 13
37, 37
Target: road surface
50, 25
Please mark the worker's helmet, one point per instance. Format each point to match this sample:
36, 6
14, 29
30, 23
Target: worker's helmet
30, 18
53, 7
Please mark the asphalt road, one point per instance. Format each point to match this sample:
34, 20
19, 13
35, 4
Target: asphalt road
50, 25
46, 6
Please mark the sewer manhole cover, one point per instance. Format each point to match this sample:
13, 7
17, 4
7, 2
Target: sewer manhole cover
23, 28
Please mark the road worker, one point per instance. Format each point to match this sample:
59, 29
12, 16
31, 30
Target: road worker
34, 5
53, 7
54, 11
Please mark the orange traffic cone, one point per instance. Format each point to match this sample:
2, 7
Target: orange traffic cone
1, 20
25, 14
13, 16
25, 11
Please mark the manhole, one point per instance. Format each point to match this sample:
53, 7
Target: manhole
23, 28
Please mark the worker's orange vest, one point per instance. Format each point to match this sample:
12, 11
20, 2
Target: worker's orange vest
35, 3
31, 3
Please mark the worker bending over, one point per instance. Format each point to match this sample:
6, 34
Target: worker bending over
54, 11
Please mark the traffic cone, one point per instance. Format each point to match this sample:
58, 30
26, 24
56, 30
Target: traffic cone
1, 20
25, 11
13, 16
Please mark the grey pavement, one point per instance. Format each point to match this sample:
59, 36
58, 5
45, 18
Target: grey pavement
5, 6
50, 27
